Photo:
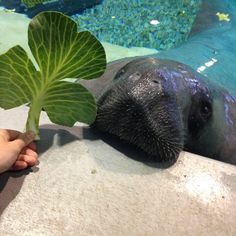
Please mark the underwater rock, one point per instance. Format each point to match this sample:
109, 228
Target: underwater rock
145, 23
68, 7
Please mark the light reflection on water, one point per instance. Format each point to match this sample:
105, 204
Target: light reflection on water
206, 65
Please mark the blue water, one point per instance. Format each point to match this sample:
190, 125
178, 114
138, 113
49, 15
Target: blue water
210, 48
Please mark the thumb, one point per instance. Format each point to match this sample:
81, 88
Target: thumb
23, 140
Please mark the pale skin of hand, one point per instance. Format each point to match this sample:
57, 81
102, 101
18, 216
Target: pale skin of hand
17, 150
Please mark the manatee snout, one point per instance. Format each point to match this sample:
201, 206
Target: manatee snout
141, 108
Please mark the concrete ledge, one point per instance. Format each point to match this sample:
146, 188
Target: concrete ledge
85, 186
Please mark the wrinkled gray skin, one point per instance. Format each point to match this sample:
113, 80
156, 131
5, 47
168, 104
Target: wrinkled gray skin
163, 107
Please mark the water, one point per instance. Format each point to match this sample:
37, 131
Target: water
199, 33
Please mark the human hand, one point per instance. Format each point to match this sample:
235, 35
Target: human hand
17, 150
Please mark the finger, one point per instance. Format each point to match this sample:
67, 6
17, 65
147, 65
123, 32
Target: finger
23, 140
30, 160
29, 151
33, 146
9, 134
19, 165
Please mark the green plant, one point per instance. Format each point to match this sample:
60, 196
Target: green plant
60, 52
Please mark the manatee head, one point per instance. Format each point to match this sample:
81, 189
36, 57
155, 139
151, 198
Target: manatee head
163, 106
140, 107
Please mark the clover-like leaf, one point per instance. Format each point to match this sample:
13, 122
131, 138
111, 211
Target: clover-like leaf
60, 52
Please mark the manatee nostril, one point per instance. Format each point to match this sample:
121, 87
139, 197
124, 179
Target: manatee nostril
135, 76
119, 74
155, 81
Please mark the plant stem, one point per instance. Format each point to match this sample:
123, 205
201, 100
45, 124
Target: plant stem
32, 123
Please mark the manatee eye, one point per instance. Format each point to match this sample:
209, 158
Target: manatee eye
200, 114
205, 108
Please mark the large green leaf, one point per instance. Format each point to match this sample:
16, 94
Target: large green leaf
18, 80
61, 52
66, 103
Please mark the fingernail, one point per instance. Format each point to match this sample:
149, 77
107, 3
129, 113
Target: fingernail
30, 134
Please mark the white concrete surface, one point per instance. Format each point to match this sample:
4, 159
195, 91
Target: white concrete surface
85, 186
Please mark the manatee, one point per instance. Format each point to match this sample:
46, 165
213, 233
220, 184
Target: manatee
163, 107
